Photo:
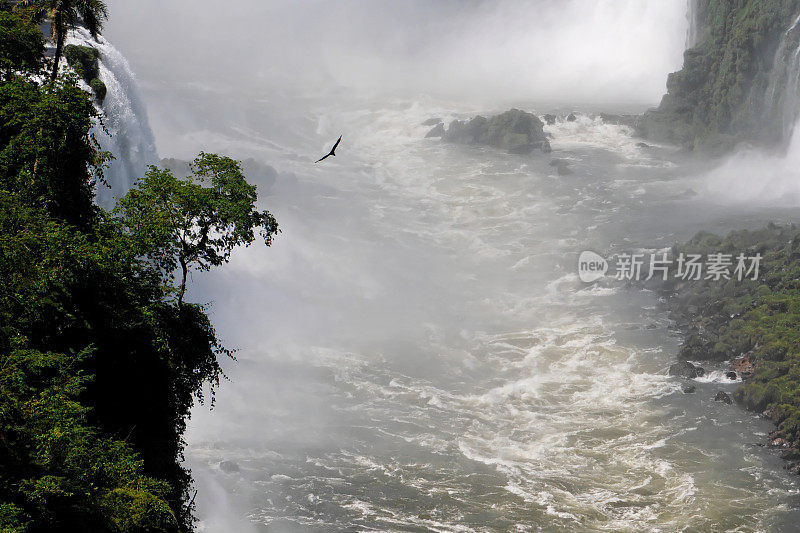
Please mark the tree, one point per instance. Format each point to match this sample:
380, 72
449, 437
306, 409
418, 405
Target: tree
47, 151
64, 16
197, 221
21, 44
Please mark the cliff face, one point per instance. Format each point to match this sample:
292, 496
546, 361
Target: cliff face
739, 80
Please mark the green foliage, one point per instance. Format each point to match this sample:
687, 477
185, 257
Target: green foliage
731, 80
21, 43
99, 89
760, 319
84, 59
67, 476
87, 322
197, 221
46, 150
64, 15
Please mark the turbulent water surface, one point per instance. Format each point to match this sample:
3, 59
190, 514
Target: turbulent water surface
417, 352
420, 355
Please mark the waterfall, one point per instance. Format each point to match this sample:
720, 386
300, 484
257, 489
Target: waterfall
124, 115
781, 97
693, 31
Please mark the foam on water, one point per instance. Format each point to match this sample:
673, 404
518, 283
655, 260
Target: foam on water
443, 368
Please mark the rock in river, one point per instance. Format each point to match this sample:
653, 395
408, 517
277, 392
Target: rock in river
436, 131
723, 397
516, 131
685, 369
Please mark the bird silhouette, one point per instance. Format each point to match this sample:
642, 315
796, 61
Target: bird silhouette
332, 152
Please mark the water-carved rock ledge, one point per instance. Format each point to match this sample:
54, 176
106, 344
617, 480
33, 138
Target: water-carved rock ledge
515, 131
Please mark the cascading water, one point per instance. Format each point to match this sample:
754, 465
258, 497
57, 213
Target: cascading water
693, 32
417, 353
125, 131
752, 176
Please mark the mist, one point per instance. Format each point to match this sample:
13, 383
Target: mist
757, 177
484, 51
414, 351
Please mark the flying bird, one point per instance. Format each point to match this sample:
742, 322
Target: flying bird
332, 152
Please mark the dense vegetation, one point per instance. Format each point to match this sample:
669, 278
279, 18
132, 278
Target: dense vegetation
100, 357
85, 60
734, 80
756, 319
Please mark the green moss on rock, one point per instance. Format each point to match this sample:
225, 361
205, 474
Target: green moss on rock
732, 86
85, 60
99, 89
759, 319
516, 131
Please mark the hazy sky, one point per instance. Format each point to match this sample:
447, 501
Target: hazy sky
566, 50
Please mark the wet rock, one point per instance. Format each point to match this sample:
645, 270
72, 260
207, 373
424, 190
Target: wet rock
794, 469
620, 120
779, 442
229, 467
731, 375
549, 119
643, 145
723, 397
432, 121
516, 131
790, 454
689, 389
436, 131
571, 117
685, 369
684, 195
743, 366
562, 167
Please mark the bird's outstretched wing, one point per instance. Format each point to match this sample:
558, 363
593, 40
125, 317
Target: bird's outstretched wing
337, 144
332, 152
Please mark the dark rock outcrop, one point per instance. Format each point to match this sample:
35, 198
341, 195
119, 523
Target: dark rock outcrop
85, 60
743, 366
516, 131
432, 121
436, 131
685, 369
734, 85
620, 120
689, 389
229, 467
723, 397
562, 167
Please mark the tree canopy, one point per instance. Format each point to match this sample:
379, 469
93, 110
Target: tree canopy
197, 221
100, 364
